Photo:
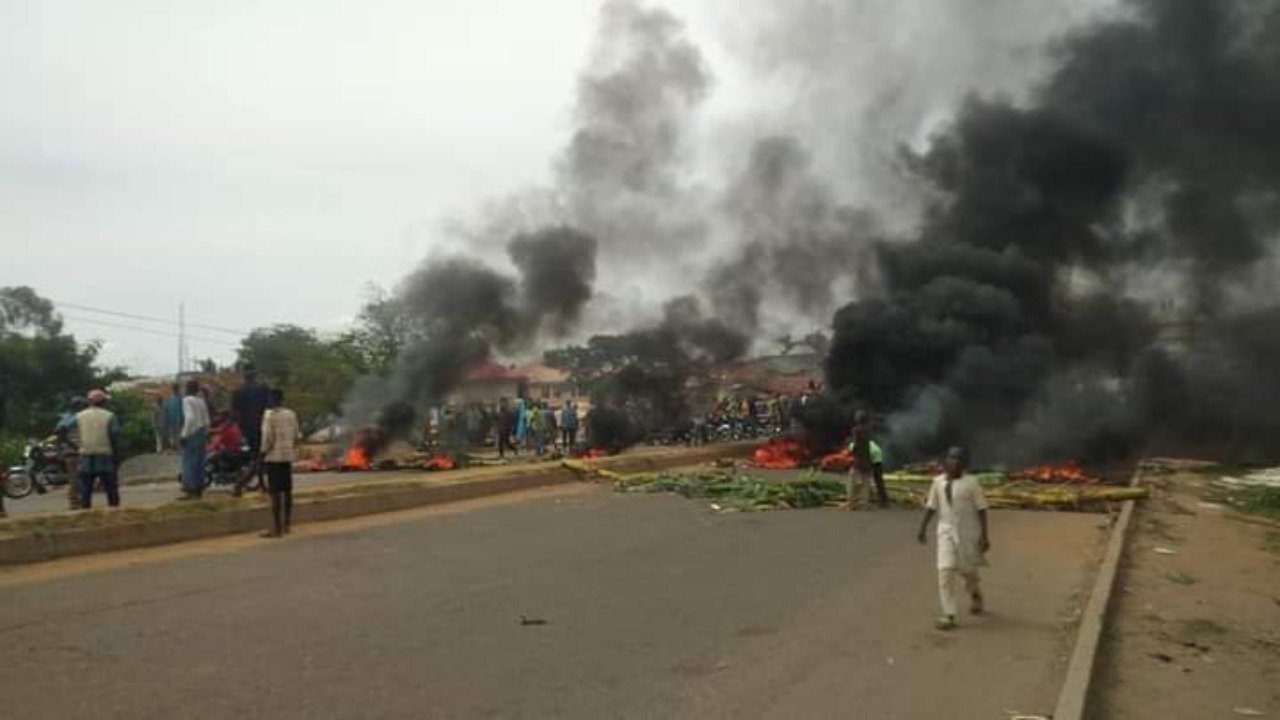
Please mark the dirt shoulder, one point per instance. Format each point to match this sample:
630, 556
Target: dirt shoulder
1196, 628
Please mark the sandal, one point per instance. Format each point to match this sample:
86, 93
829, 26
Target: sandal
946, 622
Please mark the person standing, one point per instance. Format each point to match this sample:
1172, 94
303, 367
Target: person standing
68, 438
550, 428
522, 424
957, 500
173, 417
279, 451
194, 433
569, 424
248, 405
99, 433
157, 423
506, 427
537, 429
860, 472
877, 472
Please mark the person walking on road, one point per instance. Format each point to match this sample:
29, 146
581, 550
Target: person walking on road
279, 451
194, 434
956, 499
99, 433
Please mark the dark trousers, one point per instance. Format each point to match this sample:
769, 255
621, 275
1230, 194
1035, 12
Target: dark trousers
110, 483
877, 471
504, 442
569, 436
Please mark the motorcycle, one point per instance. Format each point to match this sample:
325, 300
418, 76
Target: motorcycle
43, 468
232, 470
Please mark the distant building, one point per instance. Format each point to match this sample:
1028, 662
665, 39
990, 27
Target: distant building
488, 383
544, 382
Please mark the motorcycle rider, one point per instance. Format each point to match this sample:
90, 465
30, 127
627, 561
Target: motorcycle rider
68, 438
225, 442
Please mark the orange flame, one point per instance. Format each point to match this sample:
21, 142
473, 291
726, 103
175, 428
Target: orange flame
1066, 473
439, 462
356, 459
839, 461
781, 454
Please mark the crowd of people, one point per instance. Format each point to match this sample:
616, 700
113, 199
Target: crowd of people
513, 425
256, 434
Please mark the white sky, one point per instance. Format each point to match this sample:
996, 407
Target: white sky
261, 161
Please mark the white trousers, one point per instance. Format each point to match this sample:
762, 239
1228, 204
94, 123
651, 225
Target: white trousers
948, 581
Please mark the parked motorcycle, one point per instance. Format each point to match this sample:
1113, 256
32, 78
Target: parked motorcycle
43, 468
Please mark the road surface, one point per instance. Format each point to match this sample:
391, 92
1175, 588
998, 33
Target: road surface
150, 494
653, 606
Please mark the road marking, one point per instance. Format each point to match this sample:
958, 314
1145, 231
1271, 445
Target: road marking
12, 576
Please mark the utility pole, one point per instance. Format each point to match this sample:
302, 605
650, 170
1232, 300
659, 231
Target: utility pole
182, 337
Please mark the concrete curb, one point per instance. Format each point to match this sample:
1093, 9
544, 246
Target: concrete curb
1073, 699
332, 505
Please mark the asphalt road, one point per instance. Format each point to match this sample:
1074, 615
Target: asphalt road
654, 608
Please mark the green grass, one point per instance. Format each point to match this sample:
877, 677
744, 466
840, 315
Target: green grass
1180, 578
1263, 501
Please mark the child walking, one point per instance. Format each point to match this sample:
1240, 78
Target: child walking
957, 501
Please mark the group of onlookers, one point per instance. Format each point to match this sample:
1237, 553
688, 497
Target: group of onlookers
536, 425
256, 430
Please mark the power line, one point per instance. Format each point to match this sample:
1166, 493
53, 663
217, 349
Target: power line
149, 331
148, 318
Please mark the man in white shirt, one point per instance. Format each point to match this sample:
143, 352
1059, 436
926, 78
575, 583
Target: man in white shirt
192, 438
957, 500
279, 451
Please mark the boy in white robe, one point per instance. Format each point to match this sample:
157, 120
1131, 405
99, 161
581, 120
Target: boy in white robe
957, 501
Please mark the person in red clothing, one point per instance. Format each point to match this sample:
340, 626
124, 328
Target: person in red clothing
225, 440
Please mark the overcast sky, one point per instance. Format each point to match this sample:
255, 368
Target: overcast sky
262, 161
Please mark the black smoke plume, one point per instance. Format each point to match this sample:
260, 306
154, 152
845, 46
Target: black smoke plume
1022, 319
462, 310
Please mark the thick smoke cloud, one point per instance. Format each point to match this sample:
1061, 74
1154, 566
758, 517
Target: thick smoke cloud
463, 311
624, 174
557, 266
793, 242
647, 376
1011, 321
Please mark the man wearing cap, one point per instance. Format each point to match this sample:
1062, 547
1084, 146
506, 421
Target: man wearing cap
99, 434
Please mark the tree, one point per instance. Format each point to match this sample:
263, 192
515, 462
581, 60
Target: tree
385, 327
787, 343
41, 368
315, 374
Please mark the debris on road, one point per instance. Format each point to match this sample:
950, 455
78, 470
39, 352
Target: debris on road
1165, 551
526, 621
735, 491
